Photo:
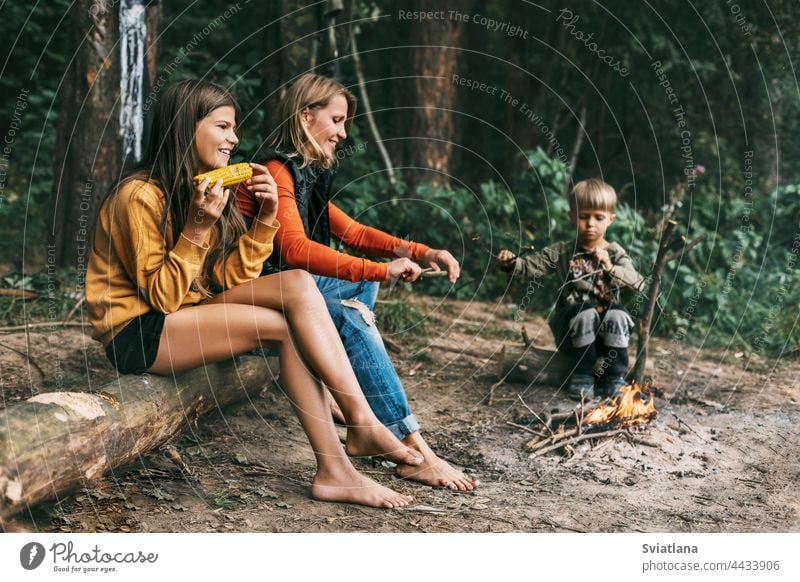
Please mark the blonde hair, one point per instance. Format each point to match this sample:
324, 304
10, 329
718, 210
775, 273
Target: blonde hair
593, 194
309, 91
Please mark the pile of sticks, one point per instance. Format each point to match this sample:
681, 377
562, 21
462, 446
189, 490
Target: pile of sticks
562, 430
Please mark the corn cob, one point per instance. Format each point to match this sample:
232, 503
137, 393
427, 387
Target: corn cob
230, 175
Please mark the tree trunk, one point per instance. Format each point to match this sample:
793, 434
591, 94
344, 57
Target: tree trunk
88, 142
291, 41
56, 441
432, 132
154, 17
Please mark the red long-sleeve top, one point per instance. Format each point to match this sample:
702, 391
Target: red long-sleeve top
299, 251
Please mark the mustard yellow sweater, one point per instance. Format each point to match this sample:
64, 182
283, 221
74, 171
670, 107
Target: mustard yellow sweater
133, 269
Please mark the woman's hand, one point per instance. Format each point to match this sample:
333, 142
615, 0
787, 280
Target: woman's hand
404, 268
506, 260
262, 185
204, 210
438, 258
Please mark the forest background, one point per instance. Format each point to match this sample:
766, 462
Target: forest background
487, 112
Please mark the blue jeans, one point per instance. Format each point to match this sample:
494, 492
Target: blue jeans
364, 347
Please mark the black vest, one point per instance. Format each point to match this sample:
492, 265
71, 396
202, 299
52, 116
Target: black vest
312, 191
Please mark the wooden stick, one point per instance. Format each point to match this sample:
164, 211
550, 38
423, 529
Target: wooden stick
21, 293
462, 350
362, 88
689, 246
74, 309
572, 441
525, 338
41, 325
646, 322
525, 428
546, 424
557, 437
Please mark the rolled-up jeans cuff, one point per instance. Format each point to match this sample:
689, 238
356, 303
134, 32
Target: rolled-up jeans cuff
402, 428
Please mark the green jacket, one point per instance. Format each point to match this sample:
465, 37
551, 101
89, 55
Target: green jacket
583, 279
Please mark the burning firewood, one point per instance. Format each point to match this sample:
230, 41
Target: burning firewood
633, 407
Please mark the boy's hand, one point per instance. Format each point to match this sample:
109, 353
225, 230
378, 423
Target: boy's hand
603, 258
506, 260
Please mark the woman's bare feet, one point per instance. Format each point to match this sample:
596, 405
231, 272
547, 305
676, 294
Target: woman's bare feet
350, 486
368, 441
434, 471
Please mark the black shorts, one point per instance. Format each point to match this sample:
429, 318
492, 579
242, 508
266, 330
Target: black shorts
134, 349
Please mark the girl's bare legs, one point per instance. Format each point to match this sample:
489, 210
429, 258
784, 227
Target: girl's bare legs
297, 296
209, 333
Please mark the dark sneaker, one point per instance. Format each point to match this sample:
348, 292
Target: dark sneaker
610, 387
581, 387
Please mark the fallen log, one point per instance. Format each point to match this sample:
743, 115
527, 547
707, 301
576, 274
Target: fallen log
55, 442
533, 365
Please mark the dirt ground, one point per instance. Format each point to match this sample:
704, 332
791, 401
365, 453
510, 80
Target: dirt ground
721, 456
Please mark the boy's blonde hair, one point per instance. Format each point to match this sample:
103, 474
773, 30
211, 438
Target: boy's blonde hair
593, 194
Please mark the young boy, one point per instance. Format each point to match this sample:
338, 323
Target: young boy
589, 320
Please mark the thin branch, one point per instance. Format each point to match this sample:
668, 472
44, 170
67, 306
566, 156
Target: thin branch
362, 89
680, 252
574, 440
42, 325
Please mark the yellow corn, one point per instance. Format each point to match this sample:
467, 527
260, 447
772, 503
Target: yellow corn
230, 175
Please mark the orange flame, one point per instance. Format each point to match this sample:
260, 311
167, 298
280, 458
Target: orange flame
626, 408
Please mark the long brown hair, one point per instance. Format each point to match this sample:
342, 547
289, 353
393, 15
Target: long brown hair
170, 160
308, 92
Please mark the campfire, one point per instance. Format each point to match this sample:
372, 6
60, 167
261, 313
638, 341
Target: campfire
626, 409
633, 407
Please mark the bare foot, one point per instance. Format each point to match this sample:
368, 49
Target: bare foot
367, 441
353, 487
434, 471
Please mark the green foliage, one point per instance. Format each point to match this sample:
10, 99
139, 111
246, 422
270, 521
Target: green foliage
57, 289
401, 317
737, 88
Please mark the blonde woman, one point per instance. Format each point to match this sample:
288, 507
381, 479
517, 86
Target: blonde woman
317, 113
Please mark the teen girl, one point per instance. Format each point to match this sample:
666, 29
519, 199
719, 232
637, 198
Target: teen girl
173, 284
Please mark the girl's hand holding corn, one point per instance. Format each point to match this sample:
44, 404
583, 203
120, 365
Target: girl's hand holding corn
264, 188
205, 208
